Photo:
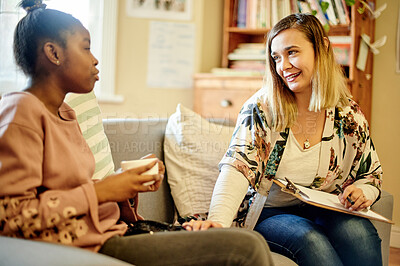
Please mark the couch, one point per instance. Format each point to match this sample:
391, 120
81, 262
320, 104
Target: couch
133, 138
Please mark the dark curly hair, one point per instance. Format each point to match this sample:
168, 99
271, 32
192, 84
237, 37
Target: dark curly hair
38, 26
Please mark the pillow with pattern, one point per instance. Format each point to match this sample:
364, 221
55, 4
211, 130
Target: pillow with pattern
89, 118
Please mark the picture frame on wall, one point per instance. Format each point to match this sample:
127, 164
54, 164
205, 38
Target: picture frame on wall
160, 9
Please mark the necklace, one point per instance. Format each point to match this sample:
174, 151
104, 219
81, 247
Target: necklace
306, 144
310, 129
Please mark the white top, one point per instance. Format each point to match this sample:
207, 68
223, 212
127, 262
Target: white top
297, 164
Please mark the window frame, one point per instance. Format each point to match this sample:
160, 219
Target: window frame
105, 88
105, 92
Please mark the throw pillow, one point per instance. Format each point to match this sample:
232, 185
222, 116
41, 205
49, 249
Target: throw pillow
88, 114
193, 147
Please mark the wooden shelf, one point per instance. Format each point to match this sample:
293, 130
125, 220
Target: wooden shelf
247, 30
339, 30
359, 82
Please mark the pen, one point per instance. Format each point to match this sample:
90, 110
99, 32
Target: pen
341, 191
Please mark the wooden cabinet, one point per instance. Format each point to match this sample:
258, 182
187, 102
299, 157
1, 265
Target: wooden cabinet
360, 82
223, 97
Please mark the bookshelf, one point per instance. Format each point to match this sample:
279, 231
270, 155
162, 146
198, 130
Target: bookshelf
359, 82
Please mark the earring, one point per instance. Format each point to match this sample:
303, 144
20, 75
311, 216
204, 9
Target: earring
58, 62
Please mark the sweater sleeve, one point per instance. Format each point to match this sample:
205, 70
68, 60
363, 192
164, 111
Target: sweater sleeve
229, 191
370, 192
27, 208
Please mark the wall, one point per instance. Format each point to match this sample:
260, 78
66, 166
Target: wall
141, 101
131, 64
385, 120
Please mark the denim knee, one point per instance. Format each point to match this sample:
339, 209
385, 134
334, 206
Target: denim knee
357, 241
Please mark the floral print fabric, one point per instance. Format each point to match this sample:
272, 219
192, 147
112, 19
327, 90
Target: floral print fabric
348, 155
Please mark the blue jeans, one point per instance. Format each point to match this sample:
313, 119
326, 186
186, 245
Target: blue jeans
314, 236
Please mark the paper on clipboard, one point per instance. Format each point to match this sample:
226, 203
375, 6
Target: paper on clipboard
328, 201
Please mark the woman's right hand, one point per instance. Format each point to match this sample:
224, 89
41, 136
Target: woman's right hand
125, 185
200, 225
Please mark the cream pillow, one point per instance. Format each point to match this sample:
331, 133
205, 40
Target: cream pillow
193, 148
88, 114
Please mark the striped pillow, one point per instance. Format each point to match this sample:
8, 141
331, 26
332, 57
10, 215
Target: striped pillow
89, 118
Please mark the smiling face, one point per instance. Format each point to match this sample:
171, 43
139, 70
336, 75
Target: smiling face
79, 65
294, 59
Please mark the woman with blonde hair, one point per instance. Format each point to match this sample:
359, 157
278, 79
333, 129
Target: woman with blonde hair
302, 125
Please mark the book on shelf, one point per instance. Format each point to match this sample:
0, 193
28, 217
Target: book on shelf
235, 56
335, 10
251, 14
346, 11
341, 46
251, 45
314, 4
330, 12
234, 21
284, 8
235, 72
324, 200
294, 6
341, 12
252, 65
241, 13
248, 51
279, 10
266, 13
304, 6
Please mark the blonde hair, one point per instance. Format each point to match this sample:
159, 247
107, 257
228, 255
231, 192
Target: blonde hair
329, 87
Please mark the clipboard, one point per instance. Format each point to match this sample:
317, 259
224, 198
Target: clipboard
324, 200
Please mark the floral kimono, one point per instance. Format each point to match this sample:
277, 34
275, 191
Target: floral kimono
347, 155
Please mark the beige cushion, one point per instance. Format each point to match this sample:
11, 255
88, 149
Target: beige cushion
193, 148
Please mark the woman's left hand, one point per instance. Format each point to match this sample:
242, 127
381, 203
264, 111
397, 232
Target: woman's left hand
193, 225
356, 195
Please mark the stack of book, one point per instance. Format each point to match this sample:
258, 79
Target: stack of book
329, 12
260, 13
248, 57
266, 13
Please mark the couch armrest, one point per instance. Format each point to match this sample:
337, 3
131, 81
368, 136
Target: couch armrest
384, 206
15, 251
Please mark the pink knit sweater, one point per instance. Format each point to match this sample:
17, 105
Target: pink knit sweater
46, 191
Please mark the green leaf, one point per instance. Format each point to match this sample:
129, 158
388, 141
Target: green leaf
327, 27
365, 165
324, 6
313, 12
350, 2
360, 10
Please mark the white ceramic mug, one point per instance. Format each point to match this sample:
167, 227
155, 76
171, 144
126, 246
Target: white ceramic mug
125, 165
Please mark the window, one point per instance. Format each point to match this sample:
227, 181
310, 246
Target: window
89, 12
